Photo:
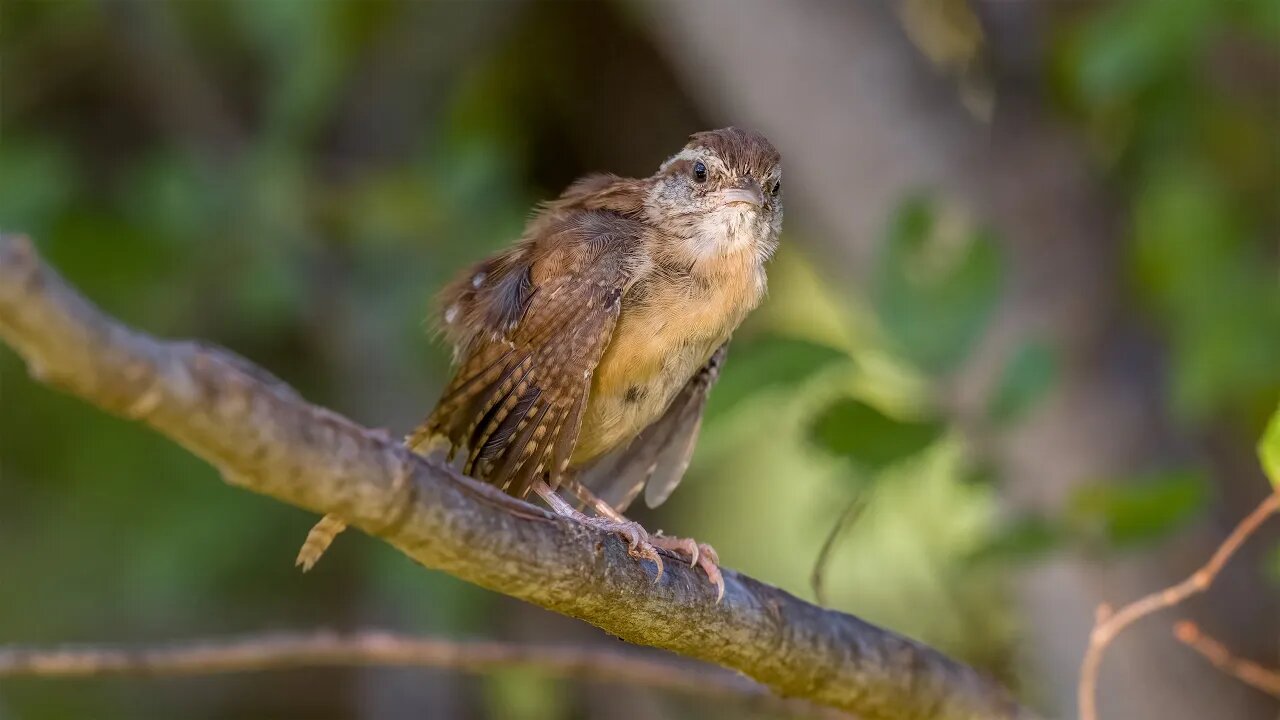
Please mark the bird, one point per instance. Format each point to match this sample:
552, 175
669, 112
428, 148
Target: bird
585, 352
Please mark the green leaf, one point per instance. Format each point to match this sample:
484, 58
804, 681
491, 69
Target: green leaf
1138, 512
772, 363
1021, 539
1132, 45
935, 295
1212, 289
871, 439
1027, 377
1269, 450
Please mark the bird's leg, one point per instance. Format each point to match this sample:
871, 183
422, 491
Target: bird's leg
638, 545
700, 554
322, 534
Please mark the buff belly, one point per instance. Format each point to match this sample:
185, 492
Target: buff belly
645, 366
656, 348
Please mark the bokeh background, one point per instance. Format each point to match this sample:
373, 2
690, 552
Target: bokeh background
1022, 333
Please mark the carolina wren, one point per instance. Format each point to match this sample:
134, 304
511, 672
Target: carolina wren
586, 351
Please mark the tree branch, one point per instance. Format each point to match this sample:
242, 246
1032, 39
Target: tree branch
263, 437
1246, 671
1111, 623
279, 651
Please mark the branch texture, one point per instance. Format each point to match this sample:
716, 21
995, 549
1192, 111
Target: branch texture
263, 437
279, 651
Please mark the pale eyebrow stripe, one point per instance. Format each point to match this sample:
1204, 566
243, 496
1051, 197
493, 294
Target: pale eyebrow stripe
695, 153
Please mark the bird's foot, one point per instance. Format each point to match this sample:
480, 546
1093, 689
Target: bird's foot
638, 540
700, 555
640, 544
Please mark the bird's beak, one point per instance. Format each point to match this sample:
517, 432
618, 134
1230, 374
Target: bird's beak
744, 190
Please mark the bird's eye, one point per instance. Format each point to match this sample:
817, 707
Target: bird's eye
777, 188
699, 172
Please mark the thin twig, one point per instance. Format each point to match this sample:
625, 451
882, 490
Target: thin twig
1246, 671
266, 439
1108, 624
848, 516
280, 651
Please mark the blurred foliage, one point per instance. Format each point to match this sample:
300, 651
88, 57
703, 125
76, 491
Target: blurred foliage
294, 179
1023, 538
1027, 377
770, 363
1179, 98
1102, 516
1140, 510
1269, 449
872, 440
937, 284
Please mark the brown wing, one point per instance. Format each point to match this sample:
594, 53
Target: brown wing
536, 321
658, 457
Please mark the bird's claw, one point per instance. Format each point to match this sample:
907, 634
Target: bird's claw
636, 538
643, 546
687, 546
700, 555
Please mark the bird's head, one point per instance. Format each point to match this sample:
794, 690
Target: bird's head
721, 193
